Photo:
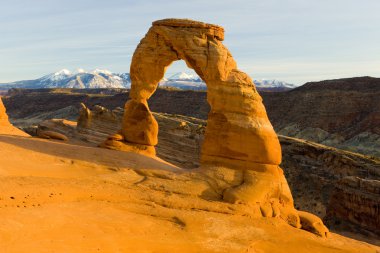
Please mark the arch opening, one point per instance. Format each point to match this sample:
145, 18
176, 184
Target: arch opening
180, 136
179, 75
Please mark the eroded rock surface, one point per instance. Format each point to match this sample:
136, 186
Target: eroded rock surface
73, 198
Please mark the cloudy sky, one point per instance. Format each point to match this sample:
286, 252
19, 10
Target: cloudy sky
291, 40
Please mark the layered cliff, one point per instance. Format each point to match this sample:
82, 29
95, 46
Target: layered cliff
344, 113
355, 201
318, 175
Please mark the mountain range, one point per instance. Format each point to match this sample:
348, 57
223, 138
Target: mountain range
100, 78
79, 79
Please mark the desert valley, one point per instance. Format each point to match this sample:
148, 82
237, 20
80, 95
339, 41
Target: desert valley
156, 165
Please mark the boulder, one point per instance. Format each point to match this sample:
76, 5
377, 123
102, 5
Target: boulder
51, 135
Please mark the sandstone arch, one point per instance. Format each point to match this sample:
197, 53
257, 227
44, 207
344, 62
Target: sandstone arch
239, 134
238, 127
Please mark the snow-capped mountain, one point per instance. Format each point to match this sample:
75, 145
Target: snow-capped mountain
265, 83
101, 78
184, 81
58, 76
80, 79
183, 76
189, 81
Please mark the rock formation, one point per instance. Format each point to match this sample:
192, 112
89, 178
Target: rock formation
236, 107
238, 136
313, 223
179, 138
51, 135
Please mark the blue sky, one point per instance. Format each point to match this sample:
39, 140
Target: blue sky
291, 40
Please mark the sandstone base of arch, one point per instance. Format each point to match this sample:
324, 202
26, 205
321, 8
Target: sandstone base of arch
264, 191
139, 125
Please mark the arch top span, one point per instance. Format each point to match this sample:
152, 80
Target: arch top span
214, 30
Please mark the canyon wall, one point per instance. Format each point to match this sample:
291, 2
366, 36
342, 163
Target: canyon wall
355, 202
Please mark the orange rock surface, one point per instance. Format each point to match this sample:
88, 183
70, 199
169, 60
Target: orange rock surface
59, 197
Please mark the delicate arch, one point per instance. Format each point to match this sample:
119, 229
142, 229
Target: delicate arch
238, 131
